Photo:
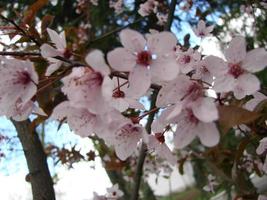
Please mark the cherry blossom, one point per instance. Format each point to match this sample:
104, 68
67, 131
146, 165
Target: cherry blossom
187, 60
49, 52
202, 30
208, 68
18, 86
146, 60
121, 133
184, 93
189, 126
257, 98
241, 65
80, 120
114, 193
147, 8
120, 99
90, 87
157, 144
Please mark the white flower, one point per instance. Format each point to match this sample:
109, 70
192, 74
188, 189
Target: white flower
146, 60
114, 193
18, 85
49, 52
241, 65
202, 30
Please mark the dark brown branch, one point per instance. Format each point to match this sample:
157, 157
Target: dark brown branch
171, 15
14, 53
39, 175
142, 155
23, 32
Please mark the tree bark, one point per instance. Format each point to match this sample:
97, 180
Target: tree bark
39, 175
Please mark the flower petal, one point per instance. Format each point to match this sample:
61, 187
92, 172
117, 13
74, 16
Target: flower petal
161, 43
47, 51
132, 40
164, 68
205, 110
247, 84
96, 60
256, 60
57, 39
208, 134
121, 59
52, 68
236, 51
139, 81
224, 83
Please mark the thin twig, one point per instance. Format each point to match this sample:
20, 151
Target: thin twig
21, 30
21, 54
114, 31
142, 155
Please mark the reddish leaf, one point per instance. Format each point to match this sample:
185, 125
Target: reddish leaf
230, 116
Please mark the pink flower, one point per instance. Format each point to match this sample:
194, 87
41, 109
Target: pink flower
187, 60
80, 120
114, 193
202, 30
147, 8
184, 93
49, 52
18, 85
146, 60
121, 100
121, 133
190, 126
210, 67
157, 144
257, 98
187, 126
241, 65
89, 87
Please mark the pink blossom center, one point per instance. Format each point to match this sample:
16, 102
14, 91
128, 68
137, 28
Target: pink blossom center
23, 77
191, 117
201, 33
235, 70
95, 80
204, 69
160, 137
118, 94
67, 53
194, 91
114, 193
144, 58
185, 59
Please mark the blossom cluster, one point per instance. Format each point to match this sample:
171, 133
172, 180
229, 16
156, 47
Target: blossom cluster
98, 98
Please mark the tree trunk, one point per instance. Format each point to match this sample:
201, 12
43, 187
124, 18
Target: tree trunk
39, 175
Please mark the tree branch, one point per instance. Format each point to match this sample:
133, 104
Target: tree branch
14, 53
142, 155
39, 175
171, 15
23, 32
114, 31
